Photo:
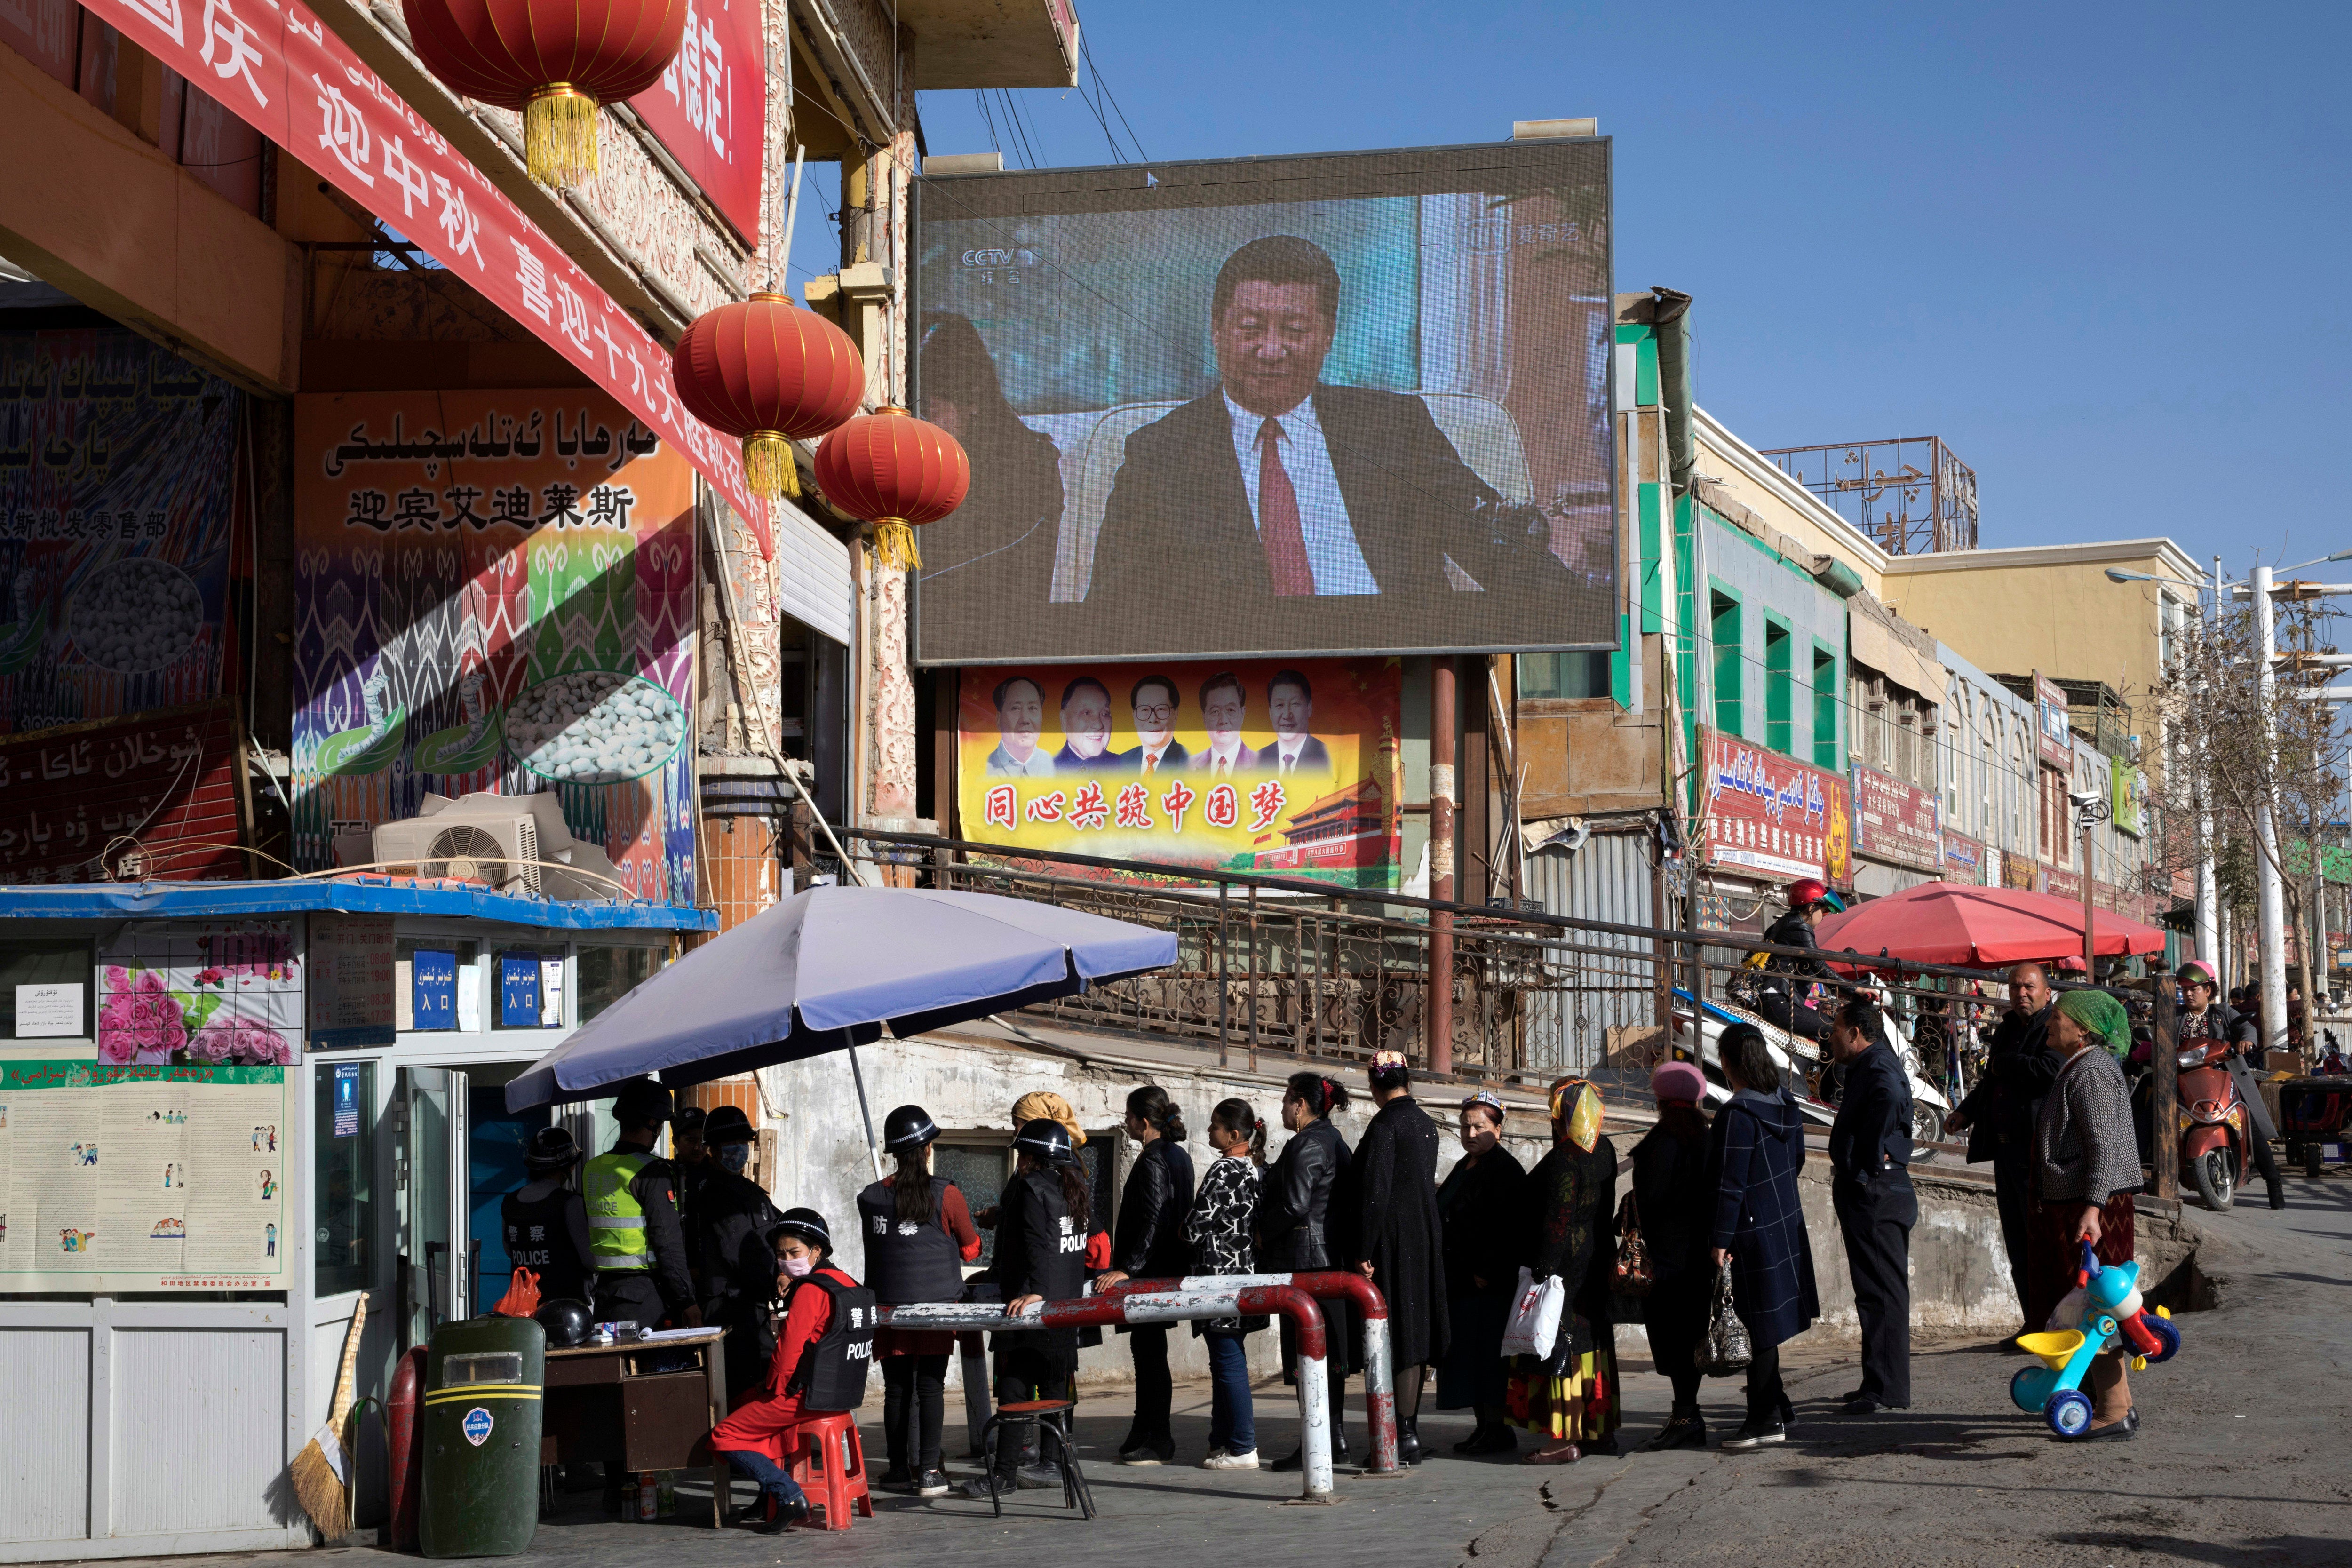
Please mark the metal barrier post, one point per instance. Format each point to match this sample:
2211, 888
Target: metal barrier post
978, 1398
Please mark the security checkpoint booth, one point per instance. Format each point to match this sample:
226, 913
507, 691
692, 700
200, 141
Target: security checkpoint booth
230, 1113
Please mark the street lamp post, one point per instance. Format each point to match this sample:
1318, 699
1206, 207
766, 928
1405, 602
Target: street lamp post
2089, 812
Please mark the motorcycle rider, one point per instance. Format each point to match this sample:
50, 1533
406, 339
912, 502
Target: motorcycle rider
735, 1270
2203, 1017
1784, 990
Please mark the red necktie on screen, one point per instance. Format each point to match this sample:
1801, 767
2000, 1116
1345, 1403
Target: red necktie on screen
1277, 517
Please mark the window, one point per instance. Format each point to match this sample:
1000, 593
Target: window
530, 989
46, 992
1779, 719
342, 1169
436, 985
1825, 710
1550, 675
1724, 617
609, 973
980, 1171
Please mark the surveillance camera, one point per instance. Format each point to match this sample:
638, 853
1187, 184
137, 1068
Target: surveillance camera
2083, 797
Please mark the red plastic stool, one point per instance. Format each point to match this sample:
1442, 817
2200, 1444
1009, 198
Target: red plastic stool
829, 1464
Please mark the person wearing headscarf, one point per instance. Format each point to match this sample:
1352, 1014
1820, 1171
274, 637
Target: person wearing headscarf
1756, 1147
1568, 1398
1672, 1201
2085, 1170
1478, 1204
1402, 1243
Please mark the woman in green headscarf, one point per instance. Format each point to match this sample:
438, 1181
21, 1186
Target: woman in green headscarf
1569, 1399
2085, 1170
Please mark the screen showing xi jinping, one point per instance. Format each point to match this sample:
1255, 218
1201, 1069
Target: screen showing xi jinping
1304, 405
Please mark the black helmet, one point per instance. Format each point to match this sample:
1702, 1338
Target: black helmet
909, 1127
728, 1124
567, 1323
642, 1103
1046, 1139
807, 1224
550, 1150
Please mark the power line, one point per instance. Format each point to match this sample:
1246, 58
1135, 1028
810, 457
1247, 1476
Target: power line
1102, 85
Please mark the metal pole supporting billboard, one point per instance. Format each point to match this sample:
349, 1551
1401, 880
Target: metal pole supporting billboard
1444, 717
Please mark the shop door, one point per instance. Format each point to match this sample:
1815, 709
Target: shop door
494, 1168
433, 1262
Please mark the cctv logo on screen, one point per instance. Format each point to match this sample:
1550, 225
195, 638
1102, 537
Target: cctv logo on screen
1020, 257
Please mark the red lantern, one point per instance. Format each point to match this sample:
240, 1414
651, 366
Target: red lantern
769, 373
897, 470
554, 62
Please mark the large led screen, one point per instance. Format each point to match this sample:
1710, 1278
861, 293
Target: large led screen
1281, 406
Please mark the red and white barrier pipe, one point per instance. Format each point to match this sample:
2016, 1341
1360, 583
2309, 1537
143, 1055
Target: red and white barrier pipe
1324, 1285
1128, 1308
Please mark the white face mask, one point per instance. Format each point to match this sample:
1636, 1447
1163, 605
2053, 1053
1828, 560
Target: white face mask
799, 1267
734, 1157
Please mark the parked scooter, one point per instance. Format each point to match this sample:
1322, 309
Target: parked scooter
2212, 1123
1803, 1061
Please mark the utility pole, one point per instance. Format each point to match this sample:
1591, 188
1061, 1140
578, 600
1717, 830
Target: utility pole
2270, 894
2209, 890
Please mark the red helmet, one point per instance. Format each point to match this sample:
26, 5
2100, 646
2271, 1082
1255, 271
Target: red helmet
1807, 891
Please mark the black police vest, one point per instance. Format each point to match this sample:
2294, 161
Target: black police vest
832, 1373
1056, 1245
538, 1239
905, 1261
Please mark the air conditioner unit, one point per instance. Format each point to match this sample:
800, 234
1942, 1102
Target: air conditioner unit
510, 843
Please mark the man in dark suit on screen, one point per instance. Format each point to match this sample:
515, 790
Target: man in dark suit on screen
1279, 485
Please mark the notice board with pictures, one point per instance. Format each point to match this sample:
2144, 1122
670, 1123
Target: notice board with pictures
119, 1177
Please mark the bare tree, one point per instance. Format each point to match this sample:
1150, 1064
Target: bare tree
2220, 757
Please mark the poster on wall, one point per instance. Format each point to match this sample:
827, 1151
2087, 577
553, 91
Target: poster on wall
2050, 714
1289, 769
351, 976
495, 592
1301, 406
1895, 821
1762, 813
116, 465
147, 796
203, 993
124, 1177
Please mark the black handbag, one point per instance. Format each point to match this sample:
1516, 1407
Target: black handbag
1726, 1348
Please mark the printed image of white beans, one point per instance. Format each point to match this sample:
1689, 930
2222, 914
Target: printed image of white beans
594, 727
137, 615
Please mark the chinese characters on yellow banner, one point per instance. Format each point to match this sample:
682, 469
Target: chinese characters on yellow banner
1287, 768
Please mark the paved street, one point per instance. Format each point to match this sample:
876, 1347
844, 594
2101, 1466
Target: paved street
2236, 1468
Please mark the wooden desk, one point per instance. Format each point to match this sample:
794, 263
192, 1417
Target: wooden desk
605, 1403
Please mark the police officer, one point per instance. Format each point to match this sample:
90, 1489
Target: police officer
735, 1270
633, 1224
918, 1236
546, 1219
1041, 1255
1870, 1189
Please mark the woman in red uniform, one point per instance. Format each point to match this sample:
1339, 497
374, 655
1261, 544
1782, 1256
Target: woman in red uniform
763, 1429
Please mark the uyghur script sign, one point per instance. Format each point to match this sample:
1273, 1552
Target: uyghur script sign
159, 786
1763, 813
1895, 821
275, 66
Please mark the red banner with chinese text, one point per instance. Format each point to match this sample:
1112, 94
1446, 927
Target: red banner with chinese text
1895, 821
1284, 768
276, 66
711, 106
1762, 813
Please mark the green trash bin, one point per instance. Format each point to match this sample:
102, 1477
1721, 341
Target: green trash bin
483, 1379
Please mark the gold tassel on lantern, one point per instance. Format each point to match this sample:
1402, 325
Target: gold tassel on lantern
894, 545
768, 467
558, 136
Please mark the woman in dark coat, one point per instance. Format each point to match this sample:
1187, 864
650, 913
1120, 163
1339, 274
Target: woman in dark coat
1758, 1143
1400, 1242
1151, 1244
1305, 1221
1566, 1231
1674, 1206
1479, 1204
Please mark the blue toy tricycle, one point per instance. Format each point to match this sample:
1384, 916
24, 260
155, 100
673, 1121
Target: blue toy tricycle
2111, 1311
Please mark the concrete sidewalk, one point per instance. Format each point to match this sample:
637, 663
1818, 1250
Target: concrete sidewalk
2241, 1464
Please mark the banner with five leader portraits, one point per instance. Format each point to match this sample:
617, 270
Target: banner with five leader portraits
1288, 406
1284, 767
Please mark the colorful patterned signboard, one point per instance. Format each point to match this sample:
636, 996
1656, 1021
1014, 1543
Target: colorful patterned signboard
1284, 768
1895, 821
1765, 814
132, 1177
496, 594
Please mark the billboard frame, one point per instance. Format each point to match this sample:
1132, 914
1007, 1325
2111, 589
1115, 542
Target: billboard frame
1269, 172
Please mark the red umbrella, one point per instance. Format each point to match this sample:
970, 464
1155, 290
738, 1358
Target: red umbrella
1948, 922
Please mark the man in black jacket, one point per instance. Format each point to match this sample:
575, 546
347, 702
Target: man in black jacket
735, 1277
1278, 485
1999, 1113
1870, 1187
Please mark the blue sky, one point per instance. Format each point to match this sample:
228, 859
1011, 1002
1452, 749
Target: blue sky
2100, 249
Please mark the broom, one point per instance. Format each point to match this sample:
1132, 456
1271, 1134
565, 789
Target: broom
321, 1471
